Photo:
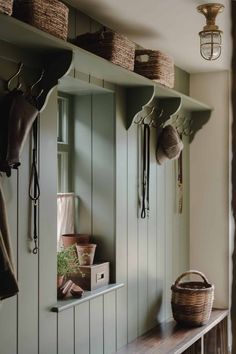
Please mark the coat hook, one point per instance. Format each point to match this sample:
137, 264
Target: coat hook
143, 120
37, 82
14, 76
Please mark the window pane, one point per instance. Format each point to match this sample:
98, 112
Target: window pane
62, 172
62, 120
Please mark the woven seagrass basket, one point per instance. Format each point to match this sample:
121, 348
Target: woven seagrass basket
155, 65
48, 15
192, 301
6, 7
109, 45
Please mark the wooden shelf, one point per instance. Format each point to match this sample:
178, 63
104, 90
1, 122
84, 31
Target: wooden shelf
169, 338
62, 305
25, 36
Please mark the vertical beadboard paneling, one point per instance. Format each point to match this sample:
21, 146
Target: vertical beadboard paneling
121, 217
144, 249
142, 276
82, 160
8, 308
103, 177
160, 237
169, 210
96, 326
132, 191
184, 231
65, 329
48, 226
176, 222
142, 259
27, 266
152, 237
109, 309
82, 23
82, 328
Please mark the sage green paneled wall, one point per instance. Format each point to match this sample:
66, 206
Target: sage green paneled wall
150, 253
26, 324
94, 171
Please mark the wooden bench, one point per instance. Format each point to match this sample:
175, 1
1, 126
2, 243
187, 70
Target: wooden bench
169, 338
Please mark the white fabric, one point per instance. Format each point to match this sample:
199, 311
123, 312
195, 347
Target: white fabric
65, 216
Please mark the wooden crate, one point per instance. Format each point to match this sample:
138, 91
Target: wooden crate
95, 276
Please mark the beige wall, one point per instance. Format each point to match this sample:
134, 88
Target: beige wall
209, 185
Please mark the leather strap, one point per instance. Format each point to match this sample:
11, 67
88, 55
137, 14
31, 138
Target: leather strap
34, 188
180, 182
146, 171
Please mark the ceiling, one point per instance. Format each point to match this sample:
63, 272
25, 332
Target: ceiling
168, 25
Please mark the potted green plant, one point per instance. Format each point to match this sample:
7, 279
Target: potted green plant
67, 263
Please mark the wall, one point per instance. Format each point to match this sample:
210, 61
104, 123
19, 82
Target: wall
209, 185
149, 254
94, 171
26, 324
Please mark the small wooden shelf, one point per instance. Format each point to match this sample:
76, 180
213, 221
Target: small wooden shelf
169, 338
28, 37
62, 305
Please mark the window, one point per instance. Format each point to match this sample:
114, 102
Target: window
63, 144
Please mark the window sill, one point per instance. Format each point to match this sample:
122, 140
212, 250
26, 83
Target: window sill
62, 305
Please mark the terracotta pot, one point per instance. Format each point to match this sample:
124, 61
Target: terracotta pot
71, 239
86, 253
60, 280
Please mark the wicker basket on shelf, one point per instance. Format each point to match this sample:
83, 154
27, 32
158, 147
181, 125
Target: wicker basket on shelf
109, 45
155, 65
48, 15
192, 301
6, 7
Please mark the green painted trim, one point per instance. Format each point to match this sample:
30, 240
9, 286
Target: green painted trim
88, 295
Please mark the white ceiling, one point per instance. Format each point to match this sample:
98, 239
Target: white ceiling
168, 25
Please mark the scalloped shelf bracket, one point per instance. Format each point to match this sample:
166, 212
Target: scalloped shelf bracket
143, 100
137, 98
198, 120
166, 107
56, 65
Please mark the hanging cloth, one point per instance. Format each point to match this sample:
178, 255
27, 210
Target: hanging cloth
8, 282
145, 171
65, 216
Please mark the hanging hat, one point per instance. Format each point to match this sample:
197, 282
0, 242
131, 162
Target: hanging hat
169, 145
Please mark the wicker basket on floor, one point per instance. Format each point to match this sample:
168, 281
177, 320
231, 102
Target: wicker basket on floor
155, 65
109, 45
6, 7
48, 15
192, 301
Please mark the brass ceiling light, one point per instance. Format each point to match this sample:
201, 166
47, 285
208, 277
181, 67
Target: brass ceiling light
210, 36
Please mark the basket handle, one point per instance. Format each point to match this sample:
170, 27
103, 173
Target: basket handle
192, 272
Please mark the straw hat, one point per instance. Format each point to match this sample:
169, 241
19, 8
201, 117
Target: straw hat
169, 145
